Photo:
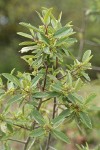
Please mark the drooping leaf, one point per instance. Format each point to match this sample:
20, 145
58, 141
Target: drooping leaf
37, 132
38, 117
11, 78
60, 135
58, 120
85, 119
25, 35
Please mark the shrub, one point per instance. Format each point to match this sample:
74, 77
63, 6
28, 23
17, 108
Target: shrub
35, 104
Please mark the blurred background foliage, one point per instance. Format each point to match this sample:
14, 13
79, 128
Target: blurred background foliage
85, 16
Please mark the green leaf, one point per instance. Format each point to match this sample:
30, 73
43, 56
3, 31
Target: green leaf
9, 127
86, 76
15, 98
60, 135
74, 98
90, 98
59, 17
86, 55
46, 95
52, 77
36, 80
85, 119
28, 48
44, 39
37, 132
78, 84
29, 26
3, 127
69, 79
47, 16
57, 87
94, 108
58, 120
40, 17
68, 41
38, 117
63, 32
11, 78
25, 35
27, 43
46, 50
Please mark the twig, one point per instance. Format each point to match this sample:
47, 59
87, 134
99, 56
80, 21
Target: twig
20, 126
19, 141
95, 68
53, 115
31, 144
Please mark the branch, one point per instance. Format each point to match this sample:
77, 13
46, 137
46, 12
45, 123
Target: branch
39, 105
19, 141
95, 68
54, 112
